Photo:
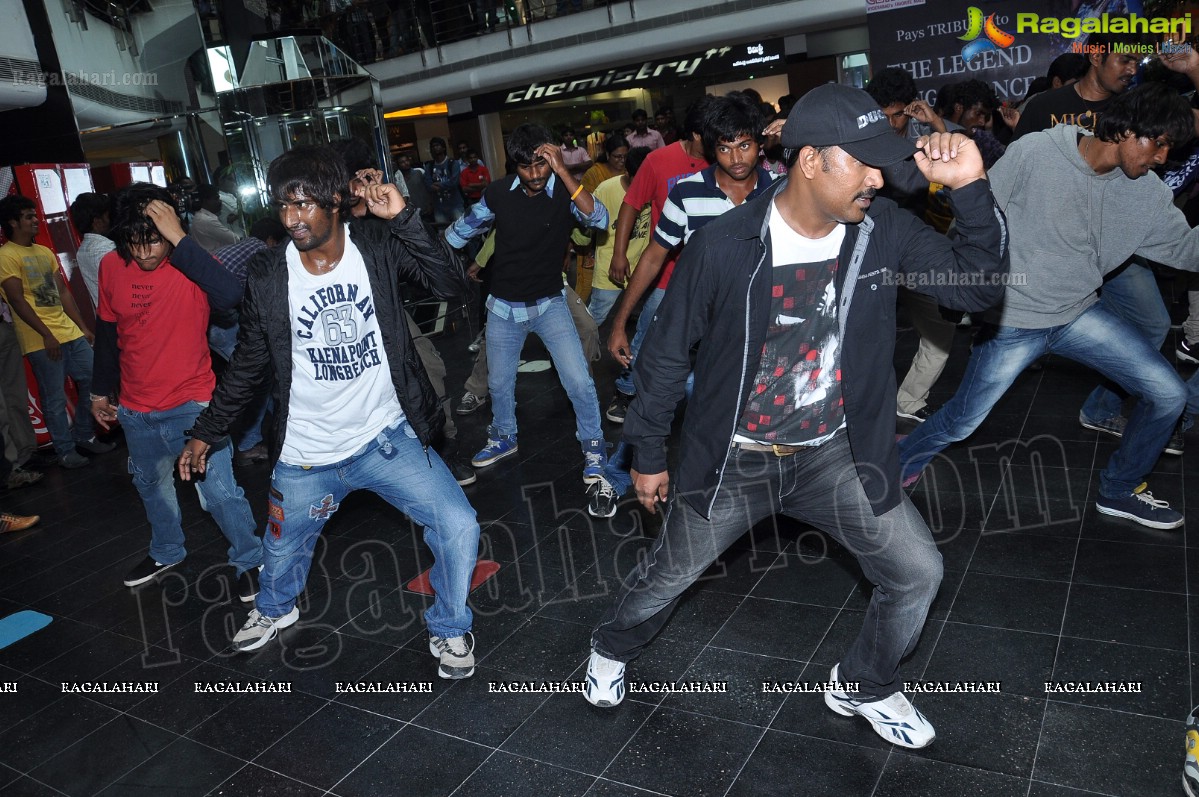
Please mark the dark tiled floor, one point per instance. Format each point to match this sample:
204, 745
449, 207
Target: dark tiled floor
1038, 587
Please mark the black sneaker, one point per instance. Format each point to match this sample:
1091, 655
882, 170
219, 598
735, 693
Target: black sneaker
247, 585
919, 416
618, 408
1187, 352
1176, 442
464, 474
94, 446
145, 571
470, 403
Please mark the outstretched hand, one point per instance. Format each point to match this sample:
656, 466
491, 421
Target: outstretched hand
951, 159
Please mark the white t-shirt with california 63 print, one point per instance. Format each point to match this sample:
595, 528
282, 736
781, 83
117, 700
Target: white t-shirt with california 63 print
342, 395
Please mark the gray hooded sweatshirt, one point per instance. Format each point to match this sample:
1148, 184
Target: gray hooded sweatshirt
1071, 226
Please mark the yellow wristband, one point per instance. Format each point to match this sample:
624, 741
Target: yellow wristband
578, 191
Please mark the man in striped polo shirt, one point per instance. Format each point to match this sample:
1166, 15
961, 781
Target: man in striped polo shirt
732, 137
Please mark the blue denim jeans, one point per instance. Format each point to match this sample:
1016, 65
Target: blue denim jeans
506, 338
399, 470
76, 362
155, 440
601, 303
1096, 339
624, 382
1132, 295
818, 486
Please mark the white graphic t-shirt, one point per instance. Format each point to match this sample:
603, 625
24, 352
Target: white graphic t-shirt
342, 395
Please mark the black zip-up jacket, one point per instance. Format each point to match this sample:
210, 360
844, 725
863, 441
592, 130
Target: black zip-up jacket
719, 297
397, 252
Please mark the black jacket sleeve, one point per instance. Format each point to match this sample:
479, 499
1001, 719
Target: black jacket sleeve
963, 273
424, 259
249, 371
223, 289
664, 361
106, 369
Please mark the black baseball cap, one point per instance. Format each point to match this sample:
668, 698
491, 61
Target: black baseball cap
849, 118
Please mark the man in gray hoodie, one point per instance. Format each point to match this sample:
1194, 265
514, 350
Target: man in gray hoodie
1060, 254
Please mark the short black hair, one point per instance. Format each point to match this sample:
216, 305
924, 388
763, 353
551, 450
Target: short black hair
693, 117
635, 158
268, 228
11, 208
1151, 110
969, 93
88, 207
356, 154
207, 191
1068, 66
892, 85
315, 171
639, 114
728, 117
130, 224
615, 142
523, 143
437, 140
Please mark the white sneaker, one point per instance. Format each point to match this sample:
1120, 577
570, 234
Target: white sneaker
456, 655
605, 681
260, 629
893, 717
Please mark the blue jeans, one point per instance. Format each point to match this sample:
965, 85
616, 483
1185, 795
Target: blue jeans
155, 440
601, 303
413, 479
818, 486
1132, 295
624, 382
506, 338
1096, 339
76, 362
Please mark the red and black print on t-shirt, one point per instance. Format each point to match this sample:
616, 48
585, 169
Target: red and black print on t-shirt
796, 395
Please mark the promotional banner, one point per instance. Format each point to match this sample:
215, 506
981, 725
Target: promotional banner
1007, 43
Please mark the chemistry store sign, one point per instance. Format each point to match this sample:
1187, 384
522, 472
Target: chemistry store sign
713, 61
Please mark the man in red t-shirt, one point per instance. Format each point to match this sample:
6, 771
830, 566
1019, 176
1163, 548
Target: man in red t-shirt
474, 178
153, 372
661, 170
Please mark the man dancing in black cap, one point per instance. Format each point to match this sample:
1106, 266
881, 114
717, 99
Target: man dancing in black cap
791, 300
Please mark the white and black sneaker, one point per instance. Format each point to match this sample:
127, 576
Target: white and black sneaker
260, 629
893, 717
605, 681
145, 571
456, 655
601, 499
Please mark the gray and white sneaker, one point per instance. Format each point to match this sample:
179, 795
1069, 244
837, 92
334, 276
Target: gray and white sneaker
893, 717
605, 681
456, 655
260, 629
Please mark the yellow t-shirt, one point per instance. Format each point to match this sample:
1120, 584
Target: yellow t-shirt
36, 266
611, 192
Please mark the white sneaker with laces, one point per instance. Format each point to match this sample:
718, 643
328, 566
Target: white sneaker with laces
893, 717
605, 681
260, 629
455, 654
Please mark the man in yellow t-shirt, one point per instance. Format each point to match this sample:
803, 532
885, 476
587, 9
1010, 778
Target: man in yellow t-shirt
52, 334
604, 292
